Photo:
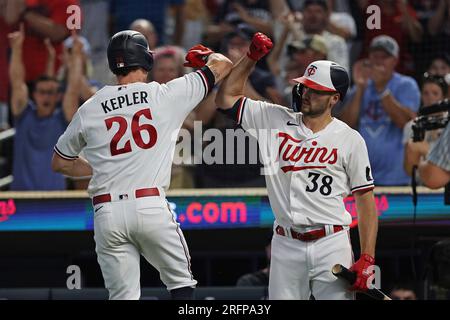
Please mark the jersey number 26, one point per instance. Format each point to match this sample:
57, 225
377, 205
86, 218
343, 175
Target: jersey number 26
136, 130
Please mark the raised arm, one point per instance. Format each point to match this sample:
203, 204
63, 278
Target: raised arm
410, 24
72, 95
255, 22
180, 21
234, 85
435, 23
45, 27
51, 59
278, 8
19, 92
273, 59
13, 10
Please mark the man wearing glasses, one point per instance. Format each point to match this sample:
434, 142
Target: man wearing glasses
39, 121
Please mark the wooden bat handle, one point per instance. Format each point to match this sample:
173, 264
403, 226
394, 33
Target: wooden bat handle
342, 272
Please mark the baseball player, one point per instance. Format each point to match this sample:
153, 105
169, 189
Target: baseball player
126, 132
321, 160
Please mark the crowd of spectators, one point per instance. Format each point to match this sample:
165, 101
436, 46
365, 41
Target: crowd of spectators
47, 71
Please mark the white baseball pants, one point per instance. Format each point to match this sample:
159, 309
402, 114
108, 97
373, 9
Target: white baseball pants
125, 229
300, 269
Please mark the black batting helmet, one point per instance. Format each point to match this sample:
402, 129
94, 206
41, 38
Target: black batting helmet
129, 49
322, 75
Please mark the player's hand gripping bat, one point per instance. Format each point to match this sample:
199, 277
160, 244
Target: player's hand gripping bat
342, 272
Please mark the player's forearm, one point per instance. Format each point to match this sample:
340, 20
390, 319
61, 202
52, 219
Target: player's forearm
233, 86
81, 168
219, 65
71, 168
399, 114
367, 222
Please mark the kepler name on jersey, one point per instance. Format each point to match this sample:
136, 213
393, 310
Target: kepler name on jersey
124, 101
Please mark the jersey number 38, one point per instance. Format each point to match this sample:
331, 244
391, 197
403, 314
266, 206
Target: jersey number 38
136, 130
325, 188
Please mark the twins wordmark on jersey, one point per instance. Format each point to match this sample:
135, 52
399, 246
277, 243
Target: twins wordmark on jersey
292, 152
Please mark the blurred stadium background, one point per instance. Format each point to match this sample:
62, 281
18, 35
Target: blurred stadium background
46, 219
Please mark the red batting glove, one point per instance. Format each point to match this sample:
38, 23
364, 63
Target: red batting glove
197, 56
362, 274
260, 46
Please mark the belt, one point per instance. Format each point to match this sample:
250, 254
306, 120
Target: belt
307, 236
139, 193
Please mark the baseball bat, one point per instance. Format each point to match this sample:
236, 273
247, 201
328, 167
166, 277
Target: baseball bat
342, 272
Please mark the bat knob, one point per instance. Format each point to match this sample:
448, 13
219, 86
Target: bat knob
337, 269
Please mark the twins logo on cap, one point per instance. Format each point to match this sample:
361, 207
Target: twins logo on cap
311, 70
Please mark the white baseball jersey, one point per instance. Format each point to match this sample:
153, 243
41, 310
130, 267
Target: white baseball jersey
316, 170
128, 132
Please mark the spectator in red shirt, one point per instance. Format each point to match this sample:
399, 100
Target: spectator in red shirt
398, 20
9, 15
4, 28
44, 19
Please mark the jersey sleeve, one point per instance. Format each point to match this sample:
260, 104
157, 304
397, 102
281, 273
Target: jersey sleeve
185, 93
72, 141
358, 166
251, 114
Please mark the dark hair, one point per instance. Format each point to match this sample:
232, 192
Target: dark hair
404, 285
123, 72
44, 78
442, 56
322, 3
437, 80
